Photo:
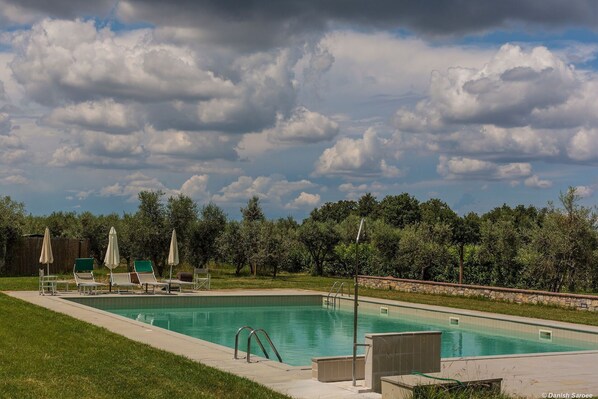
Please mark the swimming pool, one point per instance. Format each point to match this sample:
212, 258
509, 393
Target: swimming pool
302, 330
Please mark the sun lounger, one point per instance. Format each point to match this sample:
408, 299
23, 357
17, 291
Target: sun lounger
122, 280
83, 272
146, 276
182, 280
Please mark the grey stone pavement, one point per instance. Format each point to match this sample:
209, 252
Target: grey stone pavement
533, 376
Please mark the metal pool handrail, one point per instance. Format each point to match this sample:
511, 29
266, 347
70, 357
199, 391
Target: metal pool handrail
330, 292
254, 332
338, 289
258, 341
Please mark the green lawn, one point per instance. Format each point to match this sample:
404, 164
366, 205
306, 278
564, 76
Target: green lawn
18, 283
44, 354
68, 358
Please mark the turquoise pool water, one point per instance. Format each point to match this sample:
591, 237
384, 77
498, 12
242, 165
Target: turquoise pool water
303, 332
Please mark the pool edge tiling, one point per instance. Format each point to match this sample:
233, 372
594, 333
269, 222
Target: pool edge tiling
526, 375
150, 301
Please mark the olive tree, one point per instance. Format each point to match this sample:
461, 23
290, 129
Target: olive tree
181, 214
96, 229
253, 218
385, 241
425, 250
274, 246
334, 211
205, 234
499, 243
231, 247
12, 219
150, 235
465, 231
64, 224
319, 239
400, 210
563, 250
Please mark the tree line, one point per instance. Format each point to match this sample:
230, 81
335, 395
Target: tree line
552, 248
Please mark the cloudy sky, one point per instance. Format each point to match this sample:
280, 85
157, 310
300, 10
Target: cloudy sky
477, 103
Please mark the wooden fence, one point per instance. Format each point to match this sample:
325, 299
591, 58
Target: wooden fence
23, 258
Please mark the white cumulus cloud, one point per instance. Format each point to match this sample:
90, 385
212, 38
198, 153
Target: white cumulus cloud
524, 104
104, 116
585, 191
93, 149
469, 168
12, 149
535, 182
14, 180
191, 145
303, 126
583, 146
196, 186
137, 182
269, 188
504, 92
60, 59
304, 200
365, 156
494, 140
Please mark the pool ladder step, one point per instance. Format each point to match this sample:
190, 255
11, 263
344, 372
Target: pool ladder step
254, 333
339, 285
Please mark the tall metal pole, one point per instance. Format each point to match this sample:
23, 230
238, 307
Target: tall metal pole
355, 304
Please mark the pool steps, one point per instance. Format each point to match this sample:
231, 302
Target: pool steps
252, 333
339, 285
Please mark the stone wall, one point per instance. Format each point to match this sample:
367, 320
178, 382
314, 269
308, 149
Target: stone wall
575, 301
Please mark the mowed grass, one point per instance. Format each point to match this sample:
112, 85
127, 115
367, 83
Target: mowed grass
19, 283
44, 354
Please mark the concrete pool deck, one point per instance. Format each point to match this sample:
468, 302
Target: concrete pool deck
523, 375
